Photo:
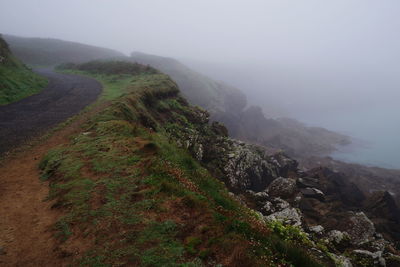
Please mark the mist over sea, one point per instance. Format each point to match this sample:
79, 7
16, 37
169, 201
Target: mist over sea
375, 131
361, 103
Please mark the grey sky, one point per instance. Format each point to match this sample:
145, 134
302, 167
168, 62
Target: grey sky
297, 53
280, 31
333, 63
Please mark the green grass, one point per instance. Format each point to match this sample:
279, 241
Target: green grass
17, 82
114, 86
110, 67
124, 184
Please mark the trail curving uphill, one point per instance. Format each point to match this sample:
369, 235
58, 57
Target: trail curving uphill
26, 219
65, 96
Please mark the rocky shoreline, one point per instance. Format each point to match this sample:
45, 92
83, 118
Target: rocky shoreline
342, 221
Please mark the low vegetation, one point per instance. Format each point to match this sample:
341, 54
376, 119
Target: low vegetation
16, 80
132, 197
109, 68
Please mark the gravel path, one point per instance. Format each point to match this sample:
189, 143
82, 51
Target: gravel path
64, 97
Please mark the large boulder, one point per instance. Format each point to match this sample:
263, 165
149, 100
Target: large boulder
336, 185
247, 167
360, 228
282, 187
384, 213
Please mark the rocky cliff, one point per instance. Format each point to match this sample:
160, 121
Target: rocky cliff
335, 215
354, 227
140, 184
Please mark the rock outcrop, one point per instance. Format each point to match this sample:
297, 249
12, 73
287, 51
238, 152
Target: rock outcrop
360, 228
282, 187
243, 166
325, 203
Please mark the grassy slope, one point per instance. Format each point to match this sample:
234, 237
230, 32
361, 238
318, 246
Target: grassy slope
16, 80
135, 198
226, 104
199, 89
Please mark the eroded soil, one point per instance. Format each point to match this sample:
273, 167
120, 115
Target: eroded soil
26, 218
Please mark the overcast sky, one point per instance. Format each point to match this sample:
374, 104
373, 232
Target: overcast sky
333, 63
298, 51
217, 30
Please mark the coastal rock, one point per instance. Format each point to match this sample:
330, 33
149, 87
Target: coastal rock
280, 204
317, 229
379, 245
341, 261
247, 167
268, 208
285, 164
240, 165
313, 193
360, 228
369, 258
282, 187
273, 185
307, 182
274, 205
392, 260
219, 129
384, 212
287, 216
337, 186
261, 196
337, 237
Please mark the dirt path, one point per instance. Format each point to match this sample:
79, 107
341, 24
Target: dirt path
64, 97
26, 220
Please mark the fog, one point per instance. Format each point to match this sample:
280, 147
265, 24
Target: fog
329, 63
295, 49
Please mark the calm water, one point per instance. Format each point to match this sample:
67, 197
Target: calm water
376, 133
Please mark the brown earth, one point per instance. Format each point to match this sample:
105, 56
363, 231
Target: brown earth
26, 218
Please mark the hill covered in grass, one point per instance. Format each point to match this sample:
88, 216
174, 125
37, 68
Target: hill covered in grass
248, 123
149, 181
216, 97
51, 52
133, 193
16, 80
225, 103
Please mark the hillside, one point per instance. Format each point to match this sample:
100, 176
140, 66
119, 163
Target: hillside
140, 184
229, 105
51, 52
225, 103
16, 80
132, 194
141, 178
200, 90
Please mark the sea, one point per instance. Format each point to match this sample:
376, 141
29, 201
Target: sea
375, 134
